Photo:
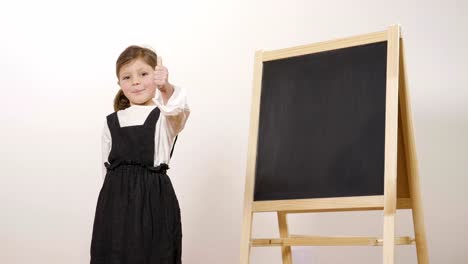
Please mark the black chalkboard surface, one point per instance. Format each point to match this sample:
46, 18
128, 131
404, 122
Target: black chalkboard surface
322, 125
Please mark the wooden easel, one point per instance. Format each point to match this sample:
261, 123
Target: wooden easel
401, 179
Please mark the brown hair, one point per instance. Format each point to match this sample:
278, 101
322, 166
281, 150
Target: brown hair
131, 53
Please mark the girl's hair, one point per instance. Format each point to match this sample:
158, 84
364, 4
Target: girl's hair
131, 53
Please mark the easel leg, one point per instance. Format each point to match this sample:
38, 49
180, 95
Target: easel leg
250, 172
413, 173
283, 230
389, 239
391, 144
246, 236
420, 235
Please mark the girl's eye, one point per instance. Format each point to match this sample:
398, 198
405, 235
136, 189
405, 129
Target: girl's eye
124, 78
144, 73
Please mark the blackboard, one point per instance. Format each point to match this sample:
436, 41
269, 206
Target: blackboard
322, 125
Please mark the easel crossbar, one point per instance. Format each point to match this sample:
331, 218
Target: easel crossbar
361, 203
326, 241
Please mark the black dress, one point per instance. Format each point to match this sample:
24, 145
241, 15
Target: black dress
137, 219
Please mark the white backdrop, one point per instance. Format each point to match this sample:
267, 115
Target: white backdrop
57, 76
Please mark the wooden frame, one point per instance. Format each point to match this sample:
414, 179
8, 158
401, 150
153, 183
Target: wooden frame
401, 180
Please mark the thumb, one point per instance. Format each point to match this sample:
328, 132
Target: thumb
159, 61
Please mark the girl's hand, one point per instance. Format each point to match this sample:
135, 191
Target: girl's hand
161, 76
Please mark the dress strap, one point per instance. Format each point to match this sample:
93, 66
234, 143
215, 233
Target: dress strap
152, 117
173, 145
112, 122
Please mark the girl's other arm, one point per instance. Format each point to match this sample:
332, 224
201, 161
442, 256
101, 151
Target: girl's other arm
106, 144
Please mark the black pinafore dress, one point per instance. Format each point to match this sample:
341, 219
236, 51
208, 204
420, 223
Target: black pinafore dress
137, 219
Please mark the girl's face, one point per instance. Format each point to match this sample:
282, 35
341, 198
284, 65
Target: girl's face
136, 82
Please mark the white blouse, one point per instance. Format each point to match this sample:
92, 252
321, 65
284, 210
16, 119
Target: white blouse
171, 121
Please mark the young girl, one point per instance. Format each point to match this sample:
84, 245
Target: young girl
137, 218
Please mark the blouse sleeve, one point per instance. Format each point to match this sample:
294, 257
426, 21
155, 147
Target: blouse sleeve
106, 143
176, 111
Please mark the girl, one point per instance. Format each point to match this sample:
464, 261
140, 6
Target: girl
137, 218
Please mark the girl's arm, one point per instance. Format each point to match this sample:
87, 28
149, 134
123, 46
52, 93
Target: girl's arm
166, 92
175, 109
171, 100
106, 144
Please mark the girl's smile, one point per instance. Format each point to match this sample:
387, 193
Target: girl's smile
138, 91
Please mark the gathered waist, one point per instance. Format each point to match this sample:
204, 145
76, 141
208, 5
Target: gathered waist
161, 168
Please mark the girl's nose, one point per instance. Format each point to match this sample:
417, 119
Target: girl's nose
136, 81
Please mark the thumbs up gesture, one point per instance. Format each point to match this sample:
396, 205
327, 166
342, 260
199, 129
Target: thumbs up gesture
161, 76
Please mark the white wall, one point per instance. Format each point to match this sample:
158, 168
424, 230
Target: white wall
57, 83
